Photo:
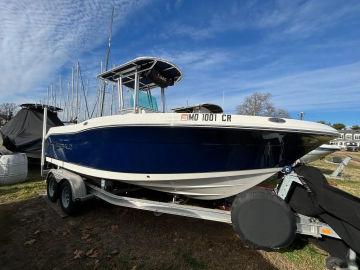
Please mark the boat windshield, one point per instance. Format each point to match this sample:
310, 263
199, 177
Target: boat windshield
146, 101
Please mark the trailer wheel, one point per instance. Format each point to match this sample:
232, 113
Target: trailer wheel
66, 199
263, 220
52, 188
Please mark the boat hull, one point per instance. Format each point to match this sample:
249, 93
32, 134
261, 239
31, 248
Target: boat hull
203, 186
320, 152
161, 150
198, 162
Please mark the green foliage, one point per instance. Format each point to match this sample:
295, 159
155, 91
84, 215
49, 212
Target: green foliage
306, 255
338, 126
355, 127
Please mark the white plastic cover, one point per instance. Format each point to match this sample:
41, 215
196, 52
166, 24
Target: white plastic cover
13, 168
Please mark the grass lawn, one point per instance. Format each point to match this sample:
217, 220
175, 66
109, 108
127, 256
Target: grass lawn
33, 186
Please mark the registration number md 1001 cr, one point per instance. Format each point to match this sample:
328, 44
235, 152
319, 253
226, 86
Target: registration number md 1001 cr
207, 117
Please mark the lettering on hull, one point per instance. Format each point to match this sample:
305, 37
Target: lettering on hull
206, 117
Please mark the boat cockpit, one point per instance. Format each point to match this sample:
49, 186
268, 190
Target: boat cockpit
137, 79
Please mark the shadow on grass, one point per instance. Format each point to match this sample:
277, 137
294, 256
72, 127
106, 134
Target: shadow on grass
5, 222
34, 173
326, 171
193, 263
140, 240
298, 244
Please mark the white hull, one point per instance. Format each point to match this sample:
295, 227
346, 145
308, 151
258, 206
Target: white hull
212, 188
243, 122
206, 185
203, 186
320, 152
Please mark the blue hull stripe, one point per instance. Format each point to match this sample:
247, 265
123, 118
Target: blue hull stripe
156, 149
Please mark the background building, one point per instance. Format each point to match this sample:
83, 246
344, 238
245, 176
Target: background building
347, 136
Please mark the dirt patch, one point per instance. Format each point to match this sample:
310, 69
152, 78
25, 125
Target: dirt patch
106, 237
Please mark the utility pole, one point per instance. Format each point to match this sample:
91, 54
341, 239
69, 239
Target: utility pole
223, 99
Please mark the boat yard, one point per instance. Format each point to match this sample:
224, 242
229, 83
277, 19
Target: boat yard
247, 171
109, 237
180, 135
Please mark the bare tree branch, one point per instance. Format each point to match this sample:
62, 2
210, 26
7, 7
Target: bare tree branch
260, 104
7, 110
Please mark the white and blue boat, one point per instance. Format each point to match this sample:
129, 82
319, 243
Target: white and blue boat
198, 152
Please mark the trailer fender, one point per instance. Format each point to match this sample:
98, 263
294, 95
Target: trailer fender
76, 182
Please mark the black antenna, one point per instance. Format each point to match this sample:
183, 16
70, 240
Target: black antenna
107, 63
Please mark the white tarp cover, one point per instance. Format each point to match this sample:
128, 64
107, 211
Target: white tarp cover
13, 168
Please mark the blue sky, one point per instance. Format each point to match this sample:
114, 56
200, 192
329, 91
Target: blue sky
306, 53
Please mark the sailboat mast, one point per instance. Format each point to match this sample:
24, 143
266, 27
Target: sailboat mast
72, 93
77, 92
107, 63
60, 91
68, 104
48, 95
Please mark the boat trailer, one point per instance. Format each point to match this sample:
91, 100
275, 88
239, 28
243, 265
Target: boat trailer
71, 188
264, 219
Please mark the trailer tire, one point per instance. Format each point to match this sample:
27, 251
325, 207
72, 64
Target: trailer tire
66, 199
263, 220
52, 189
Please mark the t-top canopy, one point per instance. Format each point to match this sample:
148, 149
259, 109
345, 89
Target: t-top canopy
153, 72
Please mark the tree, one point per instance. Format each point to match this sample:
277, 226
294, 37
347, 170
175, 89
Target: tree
338, 126
260, 104
7, 110
355, 127
281, 113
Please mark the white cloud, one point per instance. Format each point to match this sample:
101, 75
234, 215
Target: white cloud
38, 37
298, 19
313, 16
322, 89
195, 59
210, 72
